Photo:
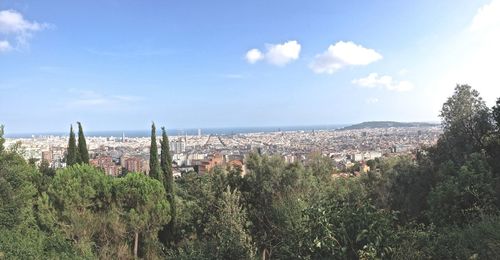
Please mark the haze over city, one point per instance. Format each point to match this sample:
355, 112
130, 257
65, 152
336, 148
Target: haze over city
118, 65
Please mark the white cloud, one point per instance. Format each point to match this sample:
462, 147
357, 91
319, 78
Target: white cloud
487, 17
13, 22
5, 46
254, 55
14, 26
374, 80
343, 54
276, 54
281, 54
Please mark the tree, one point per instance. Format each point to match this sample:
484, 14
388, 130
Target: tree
275, 194
145, 209
154, 165
479, 240
81, 197
494, 148
465, 195
410, 184
2, 140
226, 229
196, 204
167, 233
16, 190
83, 153
466, 122
44, 176
496, 114
20, 235
72, 155
345, 225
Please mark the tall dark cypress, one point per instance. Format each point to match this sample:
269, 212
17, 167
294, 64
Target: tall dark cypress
71, 157
2, 140
83, 153
167, 233
154, 165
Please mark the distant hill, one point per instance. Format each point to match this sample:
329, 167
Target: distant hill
387, 124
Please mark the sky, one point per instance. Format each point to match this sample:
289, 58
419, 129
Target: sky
120, 64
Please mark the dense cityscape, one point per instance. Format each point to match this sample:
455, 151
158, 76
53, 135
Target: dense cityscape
200, 153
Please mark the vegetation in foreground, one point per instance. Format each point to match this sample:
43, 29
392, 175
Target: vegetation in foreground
443, 204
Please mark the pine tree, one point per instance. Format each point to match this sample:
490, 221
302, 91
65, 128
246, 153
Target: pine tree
154, 165
167, 234
72, 156
83, 153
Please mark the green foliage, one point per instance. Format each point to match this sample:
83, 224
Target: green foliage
154, 165
16, 190
496, 113
80, 195
415, 241
270, 187
196, 202
168, 232
226, 229
21, 236
344, 225
2, 140
466, 121
464, 196
83, 153
145, 209
72, 154
401, 185
43, 177
480, 240
100, 215
321, 167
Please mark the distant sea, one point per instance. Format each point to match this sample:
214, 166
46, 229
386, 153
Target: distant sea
190, 131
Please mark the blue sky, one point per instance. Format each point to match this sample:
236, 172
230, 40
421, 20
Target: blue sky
118, 65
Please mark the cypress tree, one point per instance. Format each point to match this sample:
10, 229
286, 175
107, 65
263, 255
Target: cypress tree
154, 165
71, 157
83, 153
167, 233
2, 140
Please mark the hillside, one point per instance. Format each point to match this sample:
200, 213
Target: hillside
387, 124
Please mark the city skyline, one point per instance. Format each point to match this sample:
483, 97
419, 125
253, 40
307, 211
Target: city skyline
120, 65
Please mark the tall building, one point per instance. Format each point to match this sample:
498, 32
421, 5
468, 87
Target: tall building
178, 146
107, 164
136, 164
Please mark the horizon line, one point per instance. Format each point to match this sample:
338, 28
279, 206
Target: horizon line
7, 134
